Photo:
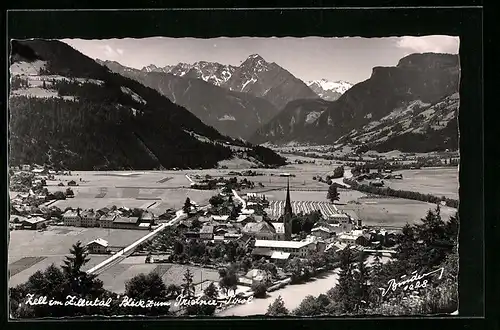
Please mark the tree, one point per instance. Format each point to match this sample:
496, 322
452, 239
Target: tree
80, 282
187, 206
259, 290
308, 307
362, 289
187, 285
173, 290
333, 194
145, 287
69, 192
228, 279
196, 223
216, 201
277, 308
344, 292
211, 291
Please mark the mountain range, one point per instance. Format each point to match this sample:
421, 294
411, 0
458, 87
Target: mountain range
232, 113
253, 76
329, 90
422, 86
68, 111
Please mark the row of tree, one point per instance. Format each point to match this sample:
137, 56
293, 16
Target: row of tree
414, 195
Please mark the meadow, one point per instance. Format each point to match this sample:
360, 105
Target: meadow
393, 211
116, 277
435, 181
31, 250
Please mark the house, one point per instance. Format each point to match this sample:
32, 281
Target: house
322, 231
192, 234
106, 221
354, 237
89, 218
280, 229
17, 219
343, 220
353, 216
72, 218
221, 231
280, 257
244, 240
34, 223
148, 217
207, 232
39, 171
252, 277
121, 222
98, 246
220, 218
261, 231
25, 167
231, 236
296, 249
103, 211
243, 219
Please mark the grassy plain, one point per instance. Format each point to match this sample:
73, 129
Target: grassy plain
31, 250
436, 181
116, 277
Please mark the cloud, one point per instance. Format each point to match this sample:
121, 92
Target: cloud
430, 44
111, 52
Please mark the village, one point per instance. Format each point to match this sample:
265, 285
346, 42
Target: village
265, 244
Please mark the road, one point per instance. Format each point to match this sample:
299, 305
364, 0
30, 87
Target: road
292, 296
122, 254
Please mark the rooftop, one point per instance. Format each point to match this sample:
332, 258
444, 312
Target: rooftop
322, 228
130, 220
281, 244
259, 227
280, 255
207, 230
99, 241
35, 220
279, 226
110, 217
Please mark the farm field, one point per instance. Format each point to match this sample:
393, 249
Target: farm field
115, 278
276, 208
393, 211
435, 181
31, 250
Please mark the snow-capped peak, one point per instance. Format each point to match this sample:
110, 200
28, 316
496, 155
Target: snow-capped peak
338, 86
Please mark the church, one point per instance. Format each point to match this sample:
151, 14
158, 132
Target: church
283, 249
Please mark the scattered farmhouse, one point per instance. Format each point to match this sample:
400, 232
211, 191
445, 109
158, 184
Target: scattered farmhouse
98, 246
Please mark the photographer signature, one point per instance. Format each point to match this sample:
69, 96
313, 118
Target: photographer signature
416, 281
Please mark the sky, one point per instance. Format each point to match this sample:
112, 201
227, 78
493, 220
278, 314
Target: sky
350, 59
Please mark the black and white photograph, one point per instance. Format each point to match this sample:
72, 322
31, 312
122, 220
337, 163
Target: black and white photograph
233, 177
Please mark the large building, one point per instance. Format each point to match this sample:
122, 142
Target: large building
88, 218
295, 249
34, 223
121, 222
72, 218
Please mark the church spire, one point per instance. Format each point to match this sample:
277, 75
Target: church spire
287, 217
288, 203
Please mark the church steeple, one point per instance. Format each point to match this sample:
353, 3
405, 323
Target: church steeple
287, 217
288, 203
